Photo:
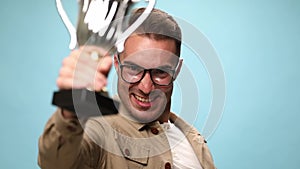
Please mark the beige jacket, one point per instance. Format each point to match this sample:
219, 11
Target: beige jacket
113, 142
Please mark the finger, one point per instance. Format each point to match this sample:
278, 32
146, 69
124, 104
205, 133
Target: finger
82, 80
86, 60
100, 81
75, 54
66, 72
104, 65
89, 77
70, 83
64, 83
70, 62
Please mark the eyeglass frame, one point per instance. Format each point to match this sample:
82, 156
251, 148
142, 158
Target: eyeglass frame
174, 73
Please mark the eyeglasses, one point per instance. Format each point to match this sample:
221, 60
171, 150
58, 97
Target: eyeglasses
132, 73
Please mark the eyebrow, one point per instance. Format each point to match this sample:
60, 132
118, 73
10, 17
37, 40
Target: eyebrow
130, 63
165, 67
168, 67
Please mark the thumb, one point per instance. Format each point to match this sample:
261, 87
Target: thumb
104, 65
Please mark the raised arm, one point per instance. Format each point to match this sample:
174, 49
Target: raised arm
63, 144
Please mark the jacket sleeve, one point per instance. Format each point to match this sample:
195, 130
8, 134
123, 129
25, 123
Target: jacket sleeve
63, 146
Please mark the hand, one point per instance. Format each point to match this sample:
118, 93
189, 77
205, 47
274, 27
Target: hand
79, 70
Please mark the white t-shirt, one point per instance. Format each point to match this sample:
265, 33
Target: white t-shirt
182, 151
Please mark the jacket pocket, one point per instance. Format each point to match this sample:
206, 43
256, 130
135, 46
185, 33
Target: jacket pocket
134, 151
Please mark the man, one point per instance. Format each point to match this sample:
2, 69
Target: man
145, 134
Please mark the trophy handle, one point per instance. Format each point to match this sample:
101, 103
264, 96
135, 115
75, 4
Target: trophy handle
119, 36
71, 28
122, 37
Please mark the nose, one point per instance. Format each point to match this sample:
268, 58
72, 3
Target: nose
146, 85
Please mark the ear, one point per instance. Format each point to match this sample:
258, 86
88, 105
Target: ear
116, 63
178, 68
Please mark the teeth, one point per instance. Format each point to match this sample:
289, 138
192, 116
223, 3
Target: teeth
142, 99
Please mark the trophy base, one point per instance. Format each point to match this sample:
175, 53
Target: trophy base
85, 103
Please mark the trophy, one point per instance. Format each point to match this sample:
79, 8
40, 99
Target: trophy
100, 23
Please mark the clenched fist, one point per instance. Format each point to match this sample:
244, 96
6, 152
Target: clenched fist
82, 70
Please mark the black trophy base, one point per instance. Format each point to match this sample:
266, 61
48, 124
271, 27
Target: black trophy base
85, 103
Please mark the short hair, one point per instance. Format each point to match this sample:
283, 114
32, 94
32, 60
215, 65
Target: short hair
159, 25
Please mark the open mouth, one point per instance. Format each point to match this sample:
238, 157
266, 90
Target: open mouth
142, 99
142, 102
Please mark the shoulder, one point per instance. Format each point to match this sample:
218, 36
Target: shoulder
104, 122
184, 126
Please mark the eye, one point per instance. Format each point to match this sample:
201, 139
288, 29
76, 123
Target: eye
161, 73
132, 69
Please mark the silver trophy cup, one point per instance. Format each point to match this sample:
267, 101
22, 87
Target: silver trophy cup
101, 23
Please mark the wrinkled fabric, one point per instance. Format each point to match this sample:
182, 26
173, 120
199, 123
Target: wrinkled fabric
113, 142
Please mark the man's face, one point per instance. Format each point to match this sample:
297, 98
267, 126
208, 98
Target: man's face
144, 100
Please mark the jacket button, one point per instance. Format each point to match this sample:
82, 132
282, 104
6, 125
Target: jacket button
167, 165
71, 128
154, 131
127, 152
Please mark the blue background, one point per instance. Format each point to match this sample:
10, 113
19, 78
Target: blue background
258, 45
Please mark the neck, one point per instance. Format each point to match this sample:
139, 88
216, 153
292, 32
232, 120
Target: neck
166, 114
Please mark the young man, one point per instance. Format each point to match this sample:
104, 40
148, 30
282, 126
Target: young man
145, 134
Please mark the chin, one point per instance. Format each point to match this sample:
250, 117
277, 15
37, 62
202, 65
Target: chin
144, 112
145, 116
